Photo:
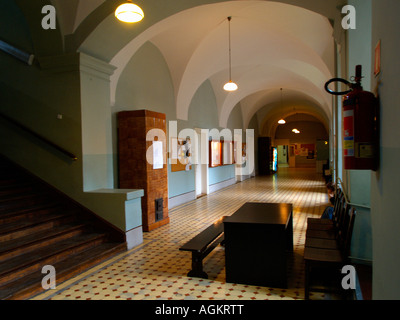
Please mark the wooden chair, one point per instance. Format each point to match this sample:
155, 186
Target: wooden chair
326, 224
323, 232
326, 264
330, 239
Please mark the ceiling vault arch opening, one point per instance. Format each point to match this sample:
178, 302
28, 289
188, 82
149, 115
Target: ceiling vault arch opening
274, 44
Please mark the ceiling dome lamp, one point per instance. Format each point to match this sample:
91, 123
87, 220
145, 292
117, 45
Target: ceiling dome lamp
281, 121
129, 12
230, 85
296, 131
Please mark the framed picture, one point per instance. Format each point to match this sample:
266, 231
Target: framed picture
228, 153
180, 155
244, 153
215, 153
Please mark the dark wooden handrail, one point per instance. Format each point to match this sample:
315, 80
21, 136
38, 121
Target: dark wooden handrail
41, 138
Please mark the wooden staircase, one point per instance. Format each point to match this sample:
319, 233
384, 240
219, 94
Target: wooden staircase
38, 227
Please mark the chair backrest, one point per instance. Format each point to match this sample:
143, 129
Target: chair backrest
342, 223
339, 193
338, 209
351, 216
335, 205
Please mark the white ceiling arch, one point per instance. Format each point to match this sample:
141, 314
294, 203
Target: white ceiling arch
269, 77
272, 44
269, 124
270, 106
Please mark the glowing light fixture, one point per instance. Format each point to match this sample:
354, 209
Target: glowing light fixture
230, 85
295, 130
129, 12
282, 121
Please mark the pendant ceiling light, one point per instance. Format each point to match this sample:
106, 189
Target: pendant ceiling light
281, 121
230, 85
296, 131
129, 12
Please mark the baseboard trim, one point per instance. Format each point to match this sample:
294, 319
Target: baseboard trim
134, 237
221, 185
181, 199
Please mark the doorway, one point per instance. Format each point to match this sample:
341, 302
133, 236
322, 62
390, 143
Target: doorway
283, 156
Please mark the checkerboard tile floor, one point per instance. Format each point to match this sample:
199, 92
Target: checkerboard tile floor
156, 269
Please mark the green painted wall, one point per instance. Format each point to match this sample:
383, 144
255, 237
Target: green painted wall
379, 227
146, 84
36, 96
384, 186
19, 34
65, 98
359, 181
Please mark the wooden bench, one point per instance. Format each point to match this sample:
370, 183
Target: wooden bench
202, 244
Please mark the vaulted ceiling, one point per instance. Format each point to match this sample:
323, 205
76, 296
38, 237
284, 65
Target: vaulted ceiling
275, 44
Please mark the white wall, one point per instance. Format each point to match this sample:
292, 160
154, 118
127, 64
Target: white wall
359, 181
384, 186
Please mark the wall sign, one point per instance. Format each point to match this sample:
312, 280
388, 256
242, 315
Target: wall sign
158, 160
377, 65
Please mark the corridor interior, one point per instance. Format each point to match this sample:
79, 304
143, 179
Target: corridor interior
156, 269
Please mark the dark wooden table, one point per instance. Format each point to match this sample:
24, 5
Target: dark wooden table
258, 237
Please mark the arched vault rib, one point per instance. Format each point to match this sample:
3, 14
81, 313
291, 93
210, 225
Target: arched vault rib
269, 101
257, 64
269, 123
205, 57
284, 79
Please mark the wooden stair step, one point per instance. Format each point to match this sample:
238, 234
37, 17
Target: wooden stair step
22, 196
19, 192
8, 206
37, 219
14, 178
29, 212
40, 226
11, 171
26, 263
18, 229
17, 186
29, 208
31, 284
12, 248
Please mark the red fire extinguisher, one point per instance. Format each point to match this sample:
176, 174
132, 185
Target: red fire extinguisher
360, 125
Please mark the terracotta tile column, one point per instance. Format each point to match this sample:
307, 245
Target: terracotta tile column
135, 172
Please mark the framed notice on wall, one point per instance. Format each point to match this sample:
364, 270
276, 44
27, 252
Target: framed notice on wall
228, 150
180, 155
158, 159
244, 153
215, 153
